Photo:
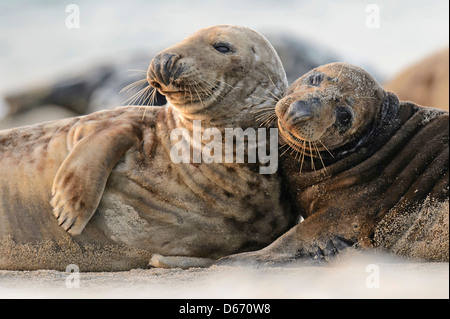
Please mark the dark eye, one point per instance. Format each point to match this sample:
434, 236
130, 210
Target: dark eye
222, 48
344, 115
315, 79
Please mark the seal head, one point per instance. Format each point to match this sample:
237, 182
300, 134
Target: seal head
219, 74
335, 106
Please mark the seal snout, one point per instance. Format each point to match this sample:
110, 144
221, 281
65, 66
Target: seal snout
161, 69
299, 111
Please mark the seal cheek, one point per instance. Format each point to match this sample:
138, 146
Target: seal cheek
282, 106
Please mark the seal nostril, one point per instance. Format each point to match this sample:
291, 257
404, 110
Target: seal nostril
162, 66
299, 111
170, 59
155, 84
167, 63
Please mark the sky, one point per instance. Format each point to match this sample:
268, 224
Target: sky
37, 42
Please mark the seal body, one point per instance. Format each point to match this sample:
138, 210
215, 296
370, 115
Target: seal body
366, 170
149, 204
108, 178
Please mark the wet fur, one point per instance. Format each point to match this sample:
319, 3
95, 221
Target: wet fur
388, 188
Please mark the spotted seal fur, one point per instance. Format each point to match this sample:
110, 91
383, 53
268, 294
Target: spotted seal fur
118, 198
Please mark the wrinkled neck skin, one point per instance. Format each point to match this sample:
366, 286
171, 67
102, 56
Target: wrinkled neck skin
383, 120
227, 133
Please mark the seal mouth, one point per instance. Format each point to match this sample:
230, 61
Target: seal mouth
188, 89
309, 147
191, 98
191, 92
293, 134
180, 83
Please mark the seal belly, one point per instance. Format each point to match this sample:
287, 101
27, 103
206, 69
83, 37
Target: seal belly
188, 209
208, 210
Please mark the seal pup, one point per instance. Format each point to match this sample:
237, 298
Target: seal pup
118, 198
363, 169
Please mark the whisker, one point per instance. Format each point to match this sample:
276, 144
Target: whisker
303, 155
266, 115
152, 97
141, 93
263, 109
298, 153
151, 101
320, 157
263, 113
185, 92
137, 70
265, 98
276, 97
207, 89
326, 148
298, 149
266, 119
133, 98
195, 89
283, 145
138, 73
310, 154
222, 81
144, 95
133, 85
212, 85
287, 149
190, 93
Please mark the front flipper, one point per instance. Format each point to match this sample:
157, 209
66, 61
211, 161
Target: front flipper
94, 150
183, 262
315, 240
312, 253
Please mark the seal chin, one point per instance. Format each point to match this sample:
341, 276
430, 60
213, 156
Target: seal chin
304, 143
298, 134
193, 97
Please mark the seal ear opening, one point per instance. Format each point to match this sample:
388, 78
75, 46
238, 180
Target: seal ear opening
390, 105
391, 101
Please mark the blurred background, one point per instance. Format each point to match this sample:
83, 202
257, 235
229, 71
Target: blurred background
57, 61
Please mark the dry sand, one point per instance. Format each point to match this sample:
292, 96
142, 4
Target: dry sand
361, 276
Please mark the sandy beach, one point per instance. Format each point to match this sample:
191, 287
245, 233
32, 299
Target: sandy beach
361, 277
37, 46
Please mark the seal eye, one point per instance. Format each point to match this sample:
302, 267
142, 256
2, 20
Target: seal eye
315, 79
344, 115
222, 48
